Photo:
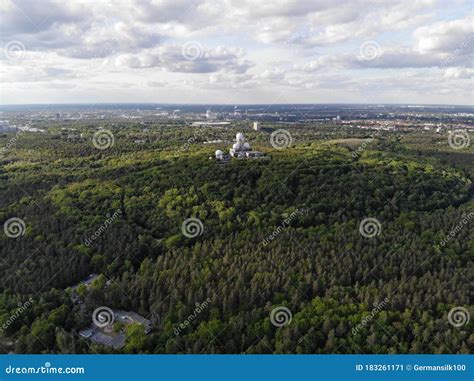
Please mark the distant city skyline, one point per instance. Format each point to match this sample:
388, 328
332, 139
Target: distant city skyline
237, 52
210, 105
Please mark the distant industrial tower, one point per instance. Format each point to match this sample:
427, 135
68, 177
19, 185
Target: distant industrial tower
256, 126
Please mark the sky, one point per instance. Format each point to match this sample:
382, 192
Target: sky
236, 52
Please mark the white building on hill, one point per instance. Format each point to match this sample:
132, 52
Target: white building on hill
242, 149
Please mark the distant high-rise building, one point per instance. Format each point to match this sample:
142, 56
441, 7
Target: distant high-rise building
256, 126
210, 115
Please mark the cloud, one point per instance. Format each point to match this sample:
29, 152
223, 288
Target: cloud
459, 73
445, 44
31, 17
157, 83
321, 23
173, 58
258, 48
446, 36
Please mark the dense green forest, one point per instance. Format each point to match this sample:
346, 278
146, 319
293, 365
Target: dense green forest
317, 263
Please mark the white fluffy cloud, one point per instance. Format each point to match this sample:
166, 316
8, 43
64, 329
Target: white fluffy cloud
192, 57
